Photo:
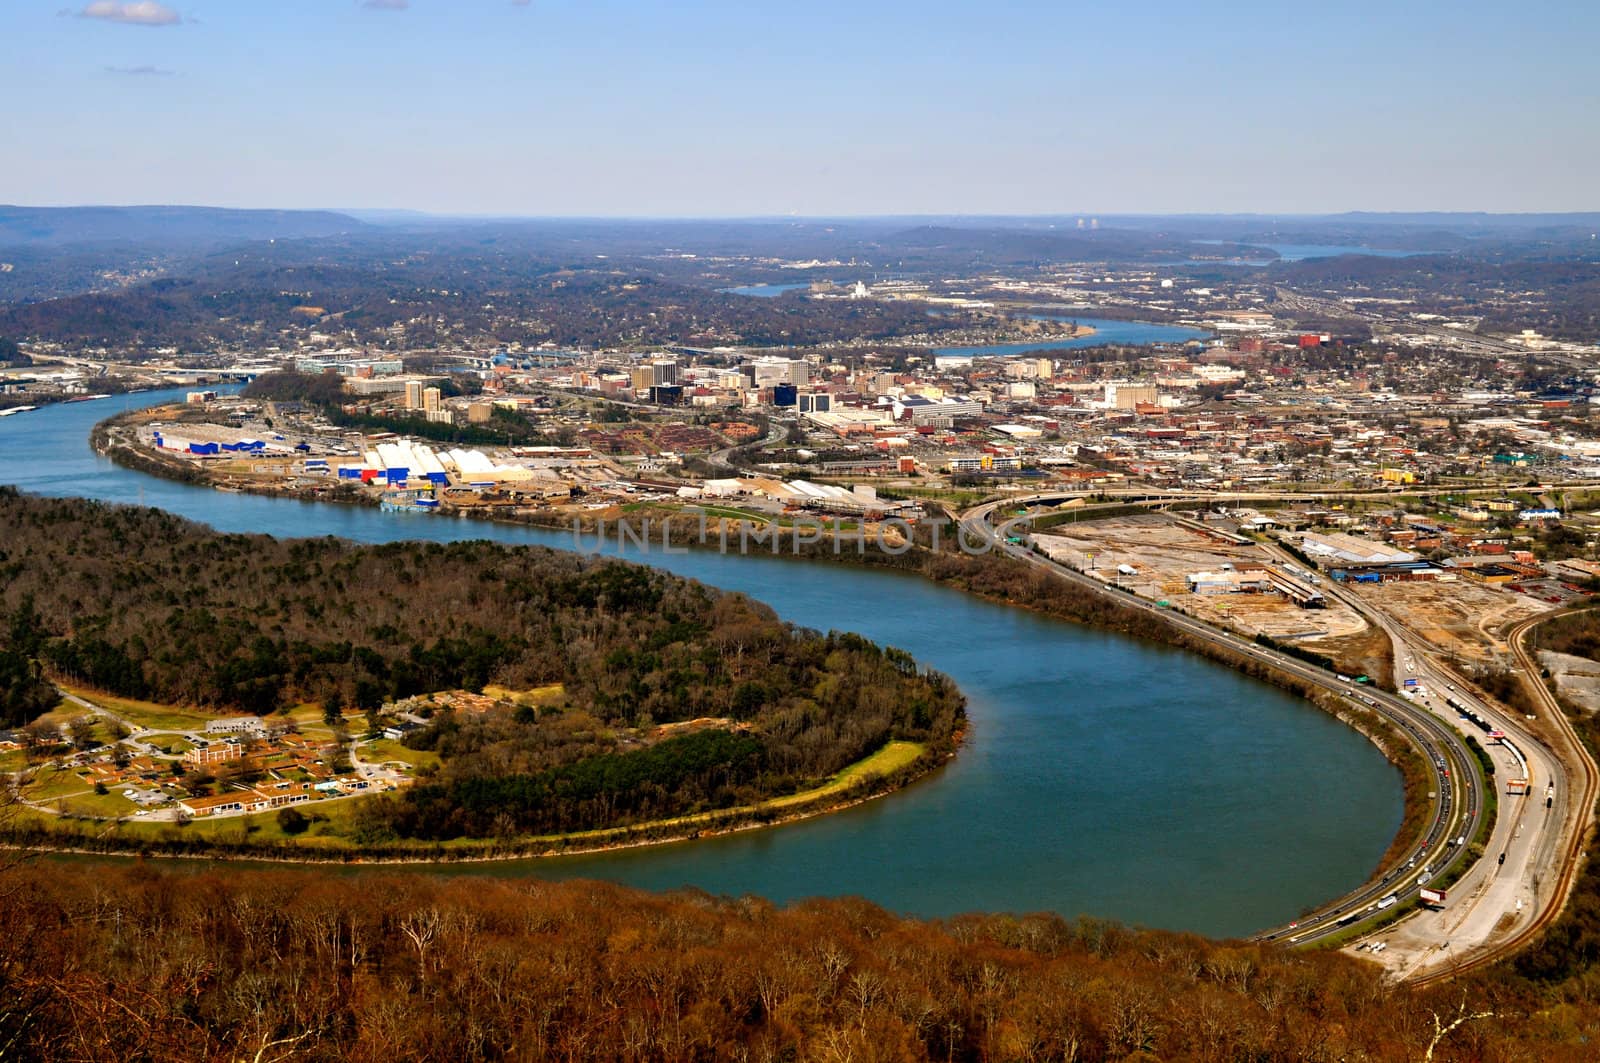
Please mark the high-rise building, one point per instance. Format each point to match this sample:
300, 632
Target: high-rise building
431, 399
658, 372
771, 371
413, 394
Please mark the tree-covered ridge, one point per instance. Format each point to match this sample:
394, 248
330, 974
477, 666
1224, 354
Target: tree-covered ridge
142, 604
444, 298
137, 964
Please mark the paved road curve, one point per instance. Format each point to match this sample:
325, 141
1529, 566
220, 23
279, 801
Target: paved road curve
1458, 796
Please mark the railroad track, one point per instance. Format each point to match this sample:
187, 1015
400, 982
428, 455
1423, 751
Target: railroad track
1577, 834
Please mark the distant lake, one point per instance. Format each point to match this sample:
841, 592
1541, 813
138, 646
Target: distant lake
1301, 252
1106, 332
764, 291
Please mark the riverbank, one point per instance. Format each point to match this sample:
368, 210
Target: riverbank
640, 704
990, 577
889, 770
1228, 806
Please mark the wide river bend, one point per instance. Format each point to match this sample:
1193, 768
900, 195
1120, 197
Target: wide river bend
1102, 775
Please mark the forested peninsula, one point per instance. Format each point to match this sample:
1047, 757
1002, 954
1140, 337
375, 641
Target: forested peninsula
658, 697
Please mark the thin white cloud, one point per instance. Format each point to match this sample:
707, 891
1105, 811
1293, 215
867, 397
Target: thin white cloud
145, 71
386, 5
136, 13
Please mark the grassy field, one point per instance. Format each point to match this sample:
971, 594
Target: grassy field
729, 513
329, 830
48, 784
65, 790
64, 713
332, 821
145, 714
385, 749
886, 761
538, 697
101, 806
955, 496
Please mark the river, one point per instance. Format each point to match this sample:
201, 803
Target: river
1102, 775
1303, 252
764, 291
1107, 332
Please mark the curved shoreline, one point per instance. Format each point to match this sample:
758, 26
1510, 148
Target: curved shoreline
718, 823
681, 532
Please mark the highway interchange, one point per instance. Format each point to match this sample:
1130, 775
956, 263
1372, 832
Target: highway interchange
1493, 905
1496, 897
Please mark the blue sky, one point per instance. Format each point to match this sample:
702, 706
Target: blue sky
637, 107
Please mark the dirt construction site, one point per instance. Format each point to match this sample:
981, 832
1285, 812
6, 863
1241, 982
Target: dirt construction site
1460, 618
1163, 553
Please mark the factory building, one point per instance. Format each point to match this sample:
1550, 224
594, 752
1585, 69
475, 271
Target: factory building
1337, 549
941, 413
1131, 396
1230, 581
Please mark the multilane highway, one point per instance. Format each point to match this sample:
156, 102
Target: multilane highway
1499, 898
1501, 903
1551, 826
1498, 905
1164, 496
1457, 799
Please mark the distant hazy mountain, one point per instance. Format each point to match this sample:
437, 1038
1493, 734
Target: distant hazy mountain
392, 216
163, 225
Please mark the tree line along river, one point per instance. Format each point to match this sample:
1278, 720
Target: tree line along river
1101, 776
